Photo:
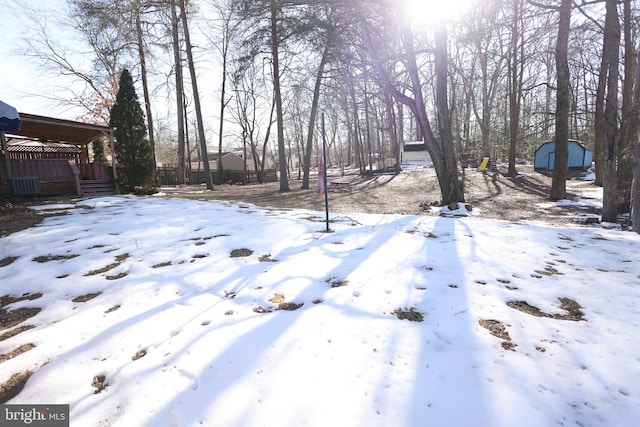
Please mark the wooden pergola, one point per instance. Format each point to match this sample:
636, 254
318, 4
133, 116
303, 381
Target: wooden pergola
58, 131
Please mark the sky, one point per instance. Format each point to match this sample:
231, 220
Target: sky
31, 88
386, 322
21, 80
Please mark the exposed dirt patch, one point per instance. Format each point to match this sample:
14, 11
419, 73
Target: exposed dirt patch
569, 305
112, 309
102, 270
7, 260
337, 283
16, 217
572, 308
242, 252
119, 260
48, 258
525, 307
499, 330
15, 331
162, 264
8, 299
13, 386
548, 271
139, 355
266, 258
16, 352
411, 314
11, 318
87, 297
282, 305
289, 306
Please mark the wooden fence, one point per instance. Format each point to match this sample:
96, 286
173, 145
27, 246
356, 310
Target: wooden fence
168, 175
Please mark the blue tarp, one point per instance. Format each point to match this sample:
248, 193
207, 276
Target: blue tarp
9, 118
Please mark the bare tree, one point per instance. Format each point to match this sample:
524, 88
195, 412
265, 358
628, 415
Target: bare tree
93, 88
179, 86
612, 38
196, 96
563, 98
625, 145
441, 150
516, 72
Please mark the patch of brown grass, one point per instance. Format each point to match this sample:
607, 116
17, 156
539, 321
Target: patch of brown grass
48, 258
87, 297
411, 314
16, 352
13, 386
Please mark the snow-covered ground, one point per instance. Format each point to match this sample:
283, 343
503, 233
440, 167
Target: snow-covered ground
299, 329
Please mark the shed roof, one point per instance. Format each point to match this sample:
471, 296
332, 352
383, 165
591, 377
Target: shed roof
569, 142
59, 130
415, 146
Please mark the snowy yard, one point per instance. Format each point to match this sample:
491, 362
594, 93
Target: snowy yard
172, 312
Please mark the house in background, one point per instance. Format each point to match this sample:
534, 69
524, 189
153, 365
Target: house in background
415, 152
580, 157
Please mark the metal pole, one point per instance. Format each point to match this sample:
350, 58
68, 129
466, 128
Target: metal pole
324, 161
7, 161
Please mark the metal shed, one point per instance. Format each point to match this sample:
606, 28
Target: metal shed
580, 157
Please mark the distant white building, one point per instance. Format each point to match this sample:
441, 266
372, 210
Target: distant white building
415, 152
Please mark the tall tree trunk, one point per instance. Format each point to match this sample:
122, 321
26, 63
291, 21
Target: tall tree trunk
282, 154
485, 119
514, 88
563, 99
367, 120
223, 105
312, 119
355, 121
145, 86
196, 97
609, 191
393, 130
400, 138
635, 193
442, 153
634, 130
598, 121
179, 93
441, 59
547, 100
625, 146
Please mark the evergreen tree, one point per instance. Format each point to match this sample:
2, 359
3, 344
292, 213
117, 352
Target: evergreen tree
99, 155
133, 151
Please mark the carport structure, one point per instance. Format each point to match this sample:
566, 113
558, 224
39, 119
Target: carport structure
51, 156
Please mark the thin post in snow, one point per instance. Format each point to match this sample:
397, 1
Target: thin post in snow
324, 175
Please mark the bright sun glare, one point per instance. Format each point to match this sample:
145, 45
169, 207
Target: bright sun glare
430, 11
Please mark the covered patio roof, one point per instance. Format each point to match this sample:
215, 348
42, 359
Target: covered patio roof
50, 130
58, 130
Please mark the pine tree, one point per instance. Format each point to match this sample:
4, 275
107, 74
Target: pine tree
133, 151
99, 155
